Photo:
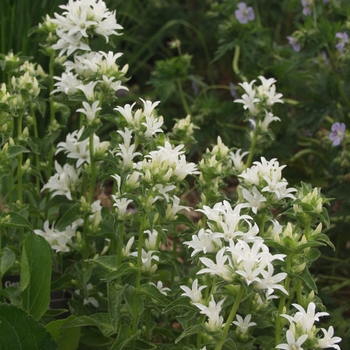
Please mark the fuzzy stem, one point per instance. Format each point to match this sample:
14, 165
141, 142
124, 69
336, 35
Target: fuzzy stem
282, 302
182, 97
252, 148
52, 112
138, 274
93, 169
230, 318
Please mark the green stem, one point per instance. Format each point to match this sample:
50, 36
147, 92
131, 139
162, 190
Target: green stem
119, 243
257, 13
148, 324
252, 148
230, 318
282, 302
299, 289
138, 274
174, 254
52, 113
36, 156
93, 169
20, 162
182, 97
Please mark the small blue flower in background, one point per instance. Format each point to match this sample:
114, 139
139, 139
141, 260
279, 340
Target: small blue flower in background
337, 134
233, 91
343, 40
296, 47
244, 13
307, 7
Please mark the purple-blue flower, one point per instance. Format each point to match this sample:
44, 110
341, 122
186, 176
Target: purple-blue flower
244, 13
343, 40
337, 134
296, 47
307, 7
233, 91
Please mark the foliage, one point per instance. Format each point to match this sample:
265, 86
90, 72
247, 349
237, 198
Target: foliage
102, 174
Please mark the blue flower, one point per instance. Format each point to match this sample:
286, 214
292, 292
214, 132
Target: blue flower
244, 13
337, 134
292, 41
343, 40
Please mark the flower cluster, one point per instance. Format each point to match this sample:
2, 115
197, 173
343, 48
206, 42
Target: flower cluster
302, 330
81, 19
263, 185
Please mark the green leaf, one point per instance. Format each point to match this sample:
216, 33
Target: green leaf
153, 292
13, 219
20, 331
124, 338
8, 258
308, 244
143, 345
123, 269
66, 339
324, 238
184, 220
35, 275
131, 297
100, 320
199, 328
178, 303
89, 131
12, 294
15, 150
115, 297
108, 262
71, 215
278, 246
307, 279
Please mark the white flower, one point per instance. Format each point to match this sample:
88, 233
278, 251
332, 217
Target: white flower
152, 242
249, 102
307, 318
160, 287
86, 17
122, 205
66, 179
173, 208
80, 150
255, 199
292, 343
268, 119
244, 324
219, 268
270, 281
205, 241
90, 300
153, 125
304, 318
90, 110
67, 83
329, 341
237, 159
88, 90
126, 250
147, 258
215, 321
194, 293
69, 43
58, 240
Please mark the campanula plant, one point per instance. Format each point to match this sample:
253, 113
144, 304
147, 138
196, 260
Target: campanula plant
108, 218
